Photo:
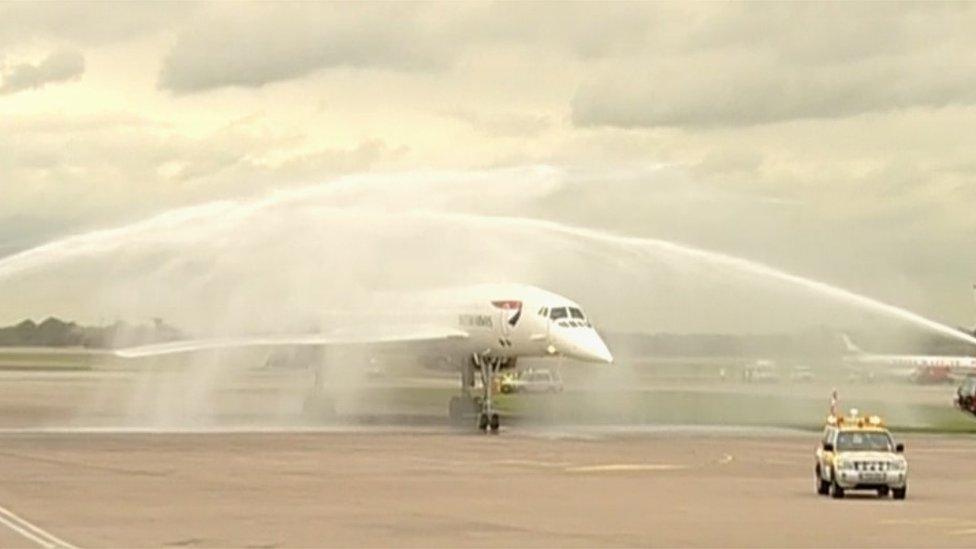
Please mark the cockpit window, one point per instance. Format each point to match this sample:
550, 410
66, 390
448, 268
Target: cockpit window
576, 313
557, 313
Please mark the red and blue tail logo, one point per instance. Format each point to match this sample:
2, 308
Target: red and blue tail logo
514, 308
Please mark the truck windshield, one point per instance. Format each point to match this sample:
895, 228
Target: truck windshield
863, 442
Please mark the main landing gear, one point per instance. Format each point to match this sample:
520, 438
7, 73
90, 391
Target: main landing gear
466, 405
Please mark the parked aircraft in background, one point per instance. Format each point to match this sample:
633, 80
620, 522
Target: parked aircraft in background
918, 368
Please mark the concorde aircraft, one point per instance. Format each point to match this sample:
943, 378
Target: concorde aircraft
480, 329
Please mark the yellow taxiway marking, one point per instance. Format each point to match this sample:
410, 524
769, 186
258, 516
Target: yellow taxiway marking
532, 463
963, 527
920, 521
624, 467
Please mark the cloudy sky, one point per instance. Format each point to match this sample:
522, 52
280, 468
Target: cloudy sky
833, 140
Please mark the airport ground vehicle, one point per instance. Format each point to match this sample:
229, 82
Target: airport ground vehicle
801, 373
966, 395
532, 381
762, 371
858, 453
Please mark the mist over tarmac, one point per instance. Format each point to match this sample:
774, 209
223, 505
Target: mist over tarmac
380, 248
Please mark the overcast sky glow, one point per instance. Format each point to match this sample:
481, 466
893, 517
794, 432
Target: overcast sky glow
832, 140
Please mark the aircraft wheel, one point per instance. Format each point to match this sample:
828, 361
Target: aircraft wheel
900, 493
483, 422
494, 423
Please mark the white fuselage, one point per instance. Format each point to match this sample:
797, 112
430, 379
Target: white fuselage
514, 320
490, 321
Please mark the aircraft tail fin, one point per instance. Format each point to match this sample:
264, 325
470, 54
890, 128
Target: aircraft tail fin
849, 344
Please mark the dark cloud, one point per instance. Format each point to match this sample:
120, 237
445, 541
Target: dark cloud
57, 67
257, 44
732, 91
87, 23
826, 33
586, 30
740, 65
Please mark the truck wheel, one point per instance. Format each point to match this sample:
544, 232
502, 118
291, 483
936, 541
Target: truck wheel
823, 487
883, 492
836, 491
900, 493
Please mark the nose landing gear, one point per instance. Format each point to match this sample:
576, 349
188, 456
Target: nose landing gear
488, 420
465, 405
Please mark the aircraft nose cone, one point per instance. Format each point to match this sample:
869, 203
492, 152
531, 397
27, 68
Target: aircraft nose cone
584, 345
599, 352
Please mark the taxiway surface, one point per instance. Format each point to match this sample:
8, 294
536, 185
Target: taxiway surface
435, 487
77, 469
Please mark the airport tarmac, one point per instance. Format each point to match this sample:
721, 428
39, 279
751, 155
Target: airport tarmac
80, 466
437, 487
